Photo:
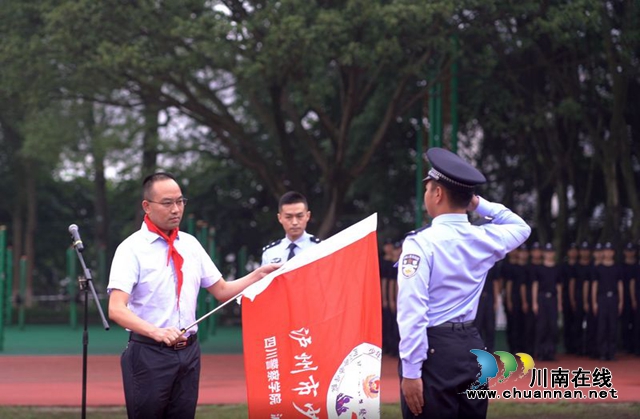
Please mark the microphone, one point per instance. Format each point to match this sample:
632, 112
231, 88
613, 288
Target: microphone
75, 236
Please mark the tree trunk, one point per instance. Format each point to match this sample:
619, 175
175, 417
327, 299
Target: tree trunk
18, 228
100, 201
612, 210
151, 141
334, 202
32, 222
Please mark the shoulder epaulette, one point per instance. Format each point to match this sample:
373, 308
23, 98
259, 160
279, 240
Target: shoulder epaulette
315, 239
418, 230
270, 245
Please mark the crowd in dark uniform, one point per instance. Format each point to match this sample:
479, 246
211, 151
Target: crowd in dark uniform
582, 302
389, 287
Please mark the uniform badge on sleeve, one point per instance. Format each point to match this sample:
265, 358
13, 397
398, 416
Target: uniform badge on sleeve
410, 265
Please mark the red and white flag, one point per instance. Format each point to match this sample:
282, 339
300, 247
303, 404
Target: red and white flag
312, 332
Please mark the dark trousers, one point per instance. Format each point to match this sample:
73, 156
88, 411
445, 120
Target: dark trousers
450, 370
515, 327
570, 345
486, 321
592, 334
636, 329
546, 327
390, 332
607, 321
160, 382
627, 324
528, 335
577, 330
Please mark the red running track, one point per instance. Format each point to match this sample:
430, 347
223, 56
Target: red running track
57, 380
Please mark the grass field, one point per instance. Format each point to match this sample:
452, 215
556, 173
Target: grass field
502, 410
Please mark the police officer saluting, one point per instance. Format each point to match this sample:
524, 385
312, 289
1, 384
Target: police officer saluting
293, 214
441, 276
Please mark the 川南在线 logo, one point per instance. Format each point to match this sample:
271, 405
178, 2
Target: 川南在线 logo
489, 366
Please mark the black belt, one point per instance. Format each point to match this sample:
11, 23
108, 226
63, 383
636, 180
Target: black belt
136, 337
452, 325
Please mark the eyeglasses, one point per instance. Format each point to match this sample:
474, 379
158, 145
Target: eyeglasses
168, 203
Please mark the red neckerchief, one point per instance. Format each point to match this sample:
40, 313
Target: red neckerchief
173, 253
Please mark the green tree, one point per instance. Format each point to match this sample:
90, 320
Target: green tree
300, 93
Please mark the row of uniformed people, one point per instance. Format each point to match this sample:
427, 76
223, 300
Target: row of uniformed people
389, 292
596, 295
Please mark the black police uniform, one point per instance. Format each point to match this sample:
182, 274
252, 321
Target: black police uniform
627, 323
514, 316
389, 325
636, 317
583, 276
548, 278
528, 319
607, 278
570, 338
486, 316
592, 321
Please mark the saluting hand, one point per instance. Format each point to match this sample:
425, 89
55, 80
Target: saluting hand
473, 204
412, 390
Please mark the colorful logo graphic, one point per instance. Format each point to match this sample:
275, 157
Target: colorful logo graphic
354, 391
410, 265
489, 366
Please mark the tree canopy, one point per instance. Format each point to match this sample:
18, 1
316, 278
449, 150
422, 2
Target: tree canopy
245, 100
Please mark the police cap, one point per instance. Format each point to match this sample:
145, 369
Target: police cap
452, 171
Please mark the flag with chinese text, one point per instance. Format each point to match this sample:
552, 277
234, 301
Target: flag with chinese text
312, 332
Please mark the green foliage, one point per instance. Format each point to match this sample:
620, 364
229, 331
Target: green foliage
254, 98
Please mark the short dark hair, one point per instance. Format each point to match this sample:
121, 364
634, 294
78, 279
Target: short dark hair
148, 182
457, 198
292, 197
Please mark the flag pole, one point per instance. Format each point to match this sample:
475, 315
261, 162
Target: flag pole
183, 331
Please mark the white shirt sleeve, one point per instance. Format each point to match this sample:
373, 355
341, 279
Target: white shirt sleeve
413, 307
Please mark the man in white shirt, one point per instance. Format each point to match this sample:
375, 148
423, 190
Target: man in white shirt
155, 278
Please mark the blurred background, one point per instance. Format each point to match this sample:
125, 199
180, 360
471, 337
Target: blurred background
245, 100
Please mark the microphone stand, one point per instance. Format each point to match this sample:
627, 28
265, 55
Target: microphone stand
85, 283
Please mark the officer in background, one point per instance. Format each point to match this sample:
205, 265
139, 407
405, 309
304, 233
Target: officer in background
546, 304
512, 301
393, 300
525, 325
529, 319
293, 214
592, 321
441, 273
583, 278
635, 307
606, 302
386, 276
486, 316
627, 323
569, 299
